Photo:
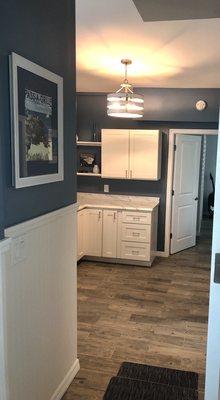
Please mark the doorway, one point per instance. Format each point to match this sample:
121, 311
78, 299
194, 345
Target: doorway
188, 187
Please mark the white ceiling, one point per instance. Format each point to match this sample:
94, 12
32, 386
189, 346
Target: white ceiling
174, 54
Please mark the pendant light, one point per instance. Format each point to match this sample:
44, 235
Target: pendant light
125, 103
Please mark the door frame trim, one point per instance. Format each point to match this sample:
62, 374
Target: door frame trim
168, 218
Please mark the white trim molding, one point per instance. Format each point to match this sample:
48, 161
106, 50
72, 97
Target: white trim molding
4, 249
172, 133
38, 307
34, 223
16, 61
61, 390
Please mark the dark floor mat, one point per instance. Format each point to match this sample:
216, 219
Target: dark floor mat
129, 389
149, 373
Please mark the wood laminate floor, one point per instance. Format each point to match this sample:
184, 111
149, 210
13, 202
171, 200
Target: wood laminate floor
155, 316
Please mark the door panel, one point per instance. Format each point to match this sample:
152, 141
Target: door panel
109, 234
115, 153
185, 186
145, 154
93, 232
80, 234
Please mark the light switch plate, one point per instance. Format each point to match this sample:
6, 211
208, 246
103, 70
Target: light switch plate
19, 249
106, 188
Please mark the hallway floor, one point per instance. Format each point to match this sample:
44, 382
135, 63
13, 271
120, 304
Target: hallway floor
154, 316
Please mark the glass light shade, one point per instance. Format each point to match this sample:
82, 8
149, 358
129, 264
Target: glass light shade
123, 105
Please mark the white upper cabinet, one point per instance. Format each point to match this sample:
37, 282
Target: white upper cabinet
145, 154
131, 154
115, 153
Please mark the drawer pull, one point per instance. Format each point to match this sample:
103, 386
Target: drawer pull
136, 218
135, 252
136, 234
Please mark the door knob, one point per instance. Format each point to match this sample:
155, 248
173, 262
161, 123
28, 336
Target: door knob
196, 199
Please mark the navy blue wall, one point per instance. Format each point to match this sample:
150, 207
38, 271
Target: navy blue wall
164, 109
43, 31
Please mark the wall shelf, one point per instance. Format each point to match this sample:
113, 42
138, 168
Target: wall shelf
88, 174
94, 144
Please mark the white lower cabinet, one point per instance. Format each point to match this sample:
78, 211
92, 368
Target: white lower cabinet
93, 232
117, 234
110, 225
136, 233
135, 251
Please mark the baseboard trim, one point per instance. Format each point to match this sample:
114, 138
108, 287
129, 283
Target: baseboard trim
62, 388
161, 254
121, 261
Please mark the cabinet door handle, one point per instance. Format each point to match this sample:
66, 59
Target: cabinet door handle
126, 173
131, 174
100, 213
114, 216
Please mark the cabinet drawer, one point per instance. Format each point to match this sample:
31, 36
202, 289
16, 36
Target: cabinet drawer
136, 233
135, 251
132, 217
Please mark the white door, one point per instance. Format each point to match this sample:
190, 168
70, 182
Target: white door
212, 390
145, 154
109, 248
185, 187
93, 231
80, 234
115, 153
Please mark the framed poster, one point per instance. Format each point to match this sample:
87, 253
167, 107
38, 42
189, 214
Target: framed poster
37, 123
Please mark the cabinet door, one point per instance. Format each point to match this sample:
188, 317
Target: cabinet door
115, 153
80, 235
109, 248
93, 232
145, 154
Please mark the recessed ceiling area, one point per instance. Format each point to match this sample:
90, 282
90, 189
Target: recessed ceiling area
169, 54
171, 10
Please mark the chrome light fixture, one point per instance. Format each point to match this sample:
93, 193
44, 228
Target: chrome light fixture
125, 103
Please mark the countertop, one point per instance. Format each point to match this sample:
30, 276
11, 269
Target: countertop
119, 202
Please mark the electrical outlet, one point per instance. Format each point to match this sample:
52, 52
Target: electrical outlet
106, 188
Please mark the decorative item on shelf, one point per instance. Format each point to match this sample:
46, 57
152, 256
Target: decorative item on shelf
95, 133
37, 123
96, 169
87, 162
125, 103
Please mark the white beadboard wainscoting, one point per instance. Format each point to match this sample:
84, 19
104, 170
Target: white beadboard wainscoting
38, 307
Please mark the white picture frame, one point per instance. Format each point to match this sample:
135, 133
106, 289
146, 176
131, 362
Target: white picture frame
18, 181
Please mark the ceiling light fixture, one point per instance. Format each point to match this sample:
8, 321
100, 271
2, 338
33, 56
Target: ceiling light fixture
125, 103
